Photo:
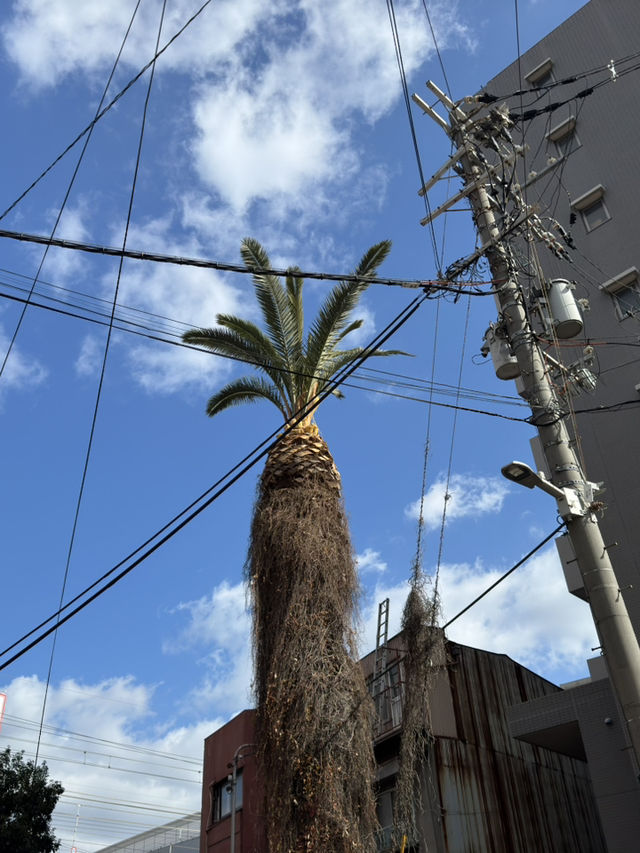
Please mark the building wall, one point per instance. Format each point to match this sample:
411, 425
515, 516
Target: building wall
608, 129
483, 790
498, 793
219, 751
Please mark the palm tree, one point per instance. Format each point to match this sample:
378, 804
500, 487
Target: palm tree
313, 712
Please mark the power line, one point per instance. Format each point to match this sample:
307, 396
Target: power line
451, 449
78, 736
106, 109
412, 129
67, 193
468, 393
75, 761
103, 371
411, 381
212, 494
504, 576
443, 389
489, 98
431, 285
112, 755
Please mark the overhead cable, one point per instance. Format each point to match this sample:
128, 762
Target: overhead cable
415, 284
489, 98
103, 369
504, 576
169, 530
67, 194
157, 338
412, 129
106, 109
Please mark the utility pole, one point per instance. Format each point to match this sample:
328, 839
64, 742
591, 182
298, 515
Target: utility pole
471, 133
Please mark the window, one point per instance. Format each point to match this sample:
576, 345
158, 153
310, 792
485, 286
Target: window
541, 75
220, 798
624, 289
564, 137
592, 208
384, 812
389, 697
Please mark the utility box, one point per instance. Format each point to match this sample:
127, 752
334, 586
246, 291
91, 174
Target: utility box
570, 567
565, 314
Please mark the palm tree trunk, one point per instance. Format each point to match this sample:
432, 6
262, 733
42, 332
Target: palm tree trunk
313, 710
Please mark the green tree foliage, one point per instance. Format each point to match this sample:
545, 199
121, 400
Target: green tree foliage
27, 801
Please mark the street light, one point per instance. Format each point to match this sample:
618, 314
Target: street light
522, 474
569, 502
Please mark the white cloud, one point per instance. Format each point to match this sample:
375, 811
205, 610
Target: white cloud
191, 295
288, 125
89, 357
49, 41
21, 371
468, 497
279, 88
530, 616
219, 624
371, 561
112, 774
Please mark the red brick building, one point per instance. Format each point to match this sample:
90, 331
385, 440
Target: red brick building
232, 743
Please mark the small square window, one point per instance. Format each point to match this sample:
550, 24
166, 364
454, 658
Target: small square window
564, 137
592, 207
567, 143
627, 300
546, 80
541, 75
624, 290
595, 214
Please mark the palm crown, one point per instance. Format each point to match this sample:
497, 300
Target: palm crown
296, 371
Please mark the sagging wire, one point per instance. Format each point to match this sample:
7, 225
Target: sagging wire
94, 419
196, 507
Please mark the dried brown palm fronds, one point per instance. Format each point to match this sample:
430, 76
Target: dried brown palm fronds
425, 650
314, 728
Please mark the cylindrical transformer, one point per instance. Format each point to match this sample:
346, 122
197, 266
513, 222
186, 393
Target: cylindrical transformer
505, 363
565, 314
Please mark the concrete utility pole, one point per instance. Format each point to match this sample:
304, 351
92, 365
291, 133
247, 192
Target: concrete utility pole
232, 780
574, 493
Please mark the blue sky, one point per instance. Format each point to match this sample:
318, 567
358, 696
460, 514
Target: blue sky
286, 123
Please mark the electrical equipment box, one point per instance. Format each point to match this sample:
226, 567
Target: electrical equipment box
565, 314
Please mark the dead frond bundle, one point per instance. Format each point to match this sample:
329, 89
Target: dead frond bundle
425, 650
314, 727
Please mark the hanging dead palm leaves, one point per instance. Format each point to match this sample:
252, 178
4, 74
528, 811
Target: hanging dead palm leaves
314, 729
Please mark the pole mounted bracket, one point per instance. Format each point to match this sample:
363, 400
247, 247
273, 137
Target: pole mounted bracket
570, 505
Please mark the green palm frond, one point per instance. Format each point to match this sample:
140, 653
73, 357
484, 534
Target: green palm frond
332, 320
296, 371
279, 319
373, 259
352, 327
244, 341
246, 389
294, 296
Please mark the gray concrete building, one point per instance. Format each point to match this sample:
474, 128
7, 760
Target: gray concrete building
580, 169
